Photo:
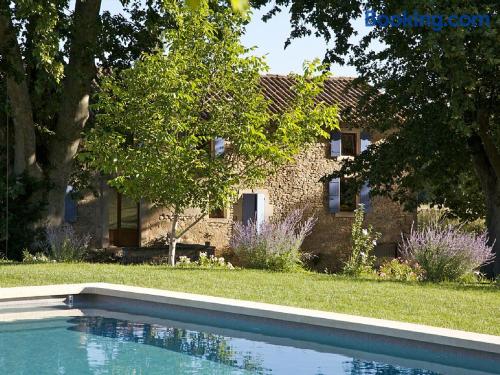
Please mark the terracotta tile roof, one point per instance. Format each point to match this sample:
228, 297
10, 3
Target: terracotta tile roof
337, 90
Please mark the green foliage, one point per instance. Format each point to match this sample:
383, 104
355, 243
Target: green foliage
400, 270
363, 241
24, 212
44, 32
204, 261
431, 217
38, 257
156, 121
438, 89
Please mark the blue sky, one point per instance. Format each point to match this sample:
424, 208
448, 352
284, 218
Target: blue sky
269, 38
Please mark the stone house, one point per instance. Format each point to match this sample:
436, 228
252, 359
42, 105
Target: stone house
114, 220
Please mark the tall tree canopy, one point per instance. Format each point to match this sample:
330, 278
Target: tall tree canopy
438, 88
49, 57
187, 127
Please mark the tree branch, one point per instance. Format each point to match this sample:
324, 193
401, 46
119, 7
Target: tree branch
18, 93
184, 231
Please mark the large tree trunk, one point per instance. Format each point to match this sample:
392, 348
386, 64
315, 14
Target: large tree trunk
493, 223
74, 110
172, 241
490, 184
18, 94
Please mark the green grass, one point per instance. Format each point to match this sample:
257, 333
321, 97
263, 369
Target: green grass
466, 307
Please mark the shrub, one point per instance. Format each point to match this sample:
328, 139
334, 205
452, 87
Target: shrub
441, 217
25, 209
64, 245
446, 253
204, 261
35, 258
273, 245
401, 270
363, 241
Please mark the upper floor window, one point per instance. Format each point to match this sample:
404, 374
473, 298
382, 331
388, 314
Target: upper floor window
344, 143
217, 213
348, 143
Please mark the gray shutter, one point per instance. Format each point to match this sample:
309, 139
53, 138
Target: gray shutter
334, 195
260, 211
335, 144
69, 206
219, 146
249, 208
364, 197
364, 194
366, 140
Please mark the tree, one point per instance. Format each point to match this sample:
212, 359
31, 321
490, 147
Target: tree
437, 87
158, 120
48, 60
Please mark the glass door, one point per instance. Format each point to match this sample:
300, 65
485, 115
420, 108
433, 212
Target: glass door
123, 221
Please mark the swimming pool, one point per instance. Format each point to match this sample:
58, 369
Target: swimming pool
122, 330
98, 345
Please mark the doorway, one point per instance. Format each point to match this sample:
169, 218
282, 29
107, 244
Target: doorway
123, 221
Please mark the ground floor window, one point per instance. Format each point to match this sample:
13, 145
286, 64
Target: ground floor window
347, 196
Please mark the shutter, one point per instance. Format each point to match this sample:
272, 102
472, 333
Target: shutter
218, 146
334, 195
364, 197
249, 208
260, 211
69, 206
364, 194
366, 140
335, 143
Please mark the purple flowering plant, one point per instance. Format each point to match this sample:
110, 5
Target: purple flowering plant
446, 253
274, 244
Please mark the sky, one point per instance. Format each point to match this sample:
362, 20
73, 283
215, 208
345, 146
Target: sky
269, 38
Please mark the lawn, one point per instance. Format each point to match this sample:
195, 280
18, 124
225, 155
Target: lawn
466, 307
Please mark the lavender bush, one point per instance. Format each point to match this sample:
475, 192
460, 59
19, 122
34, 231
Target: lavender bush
64, 245
446, 253
275, 244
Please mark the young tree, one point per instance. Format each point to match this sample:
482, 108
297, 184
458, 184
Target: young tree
158, 121
437, 85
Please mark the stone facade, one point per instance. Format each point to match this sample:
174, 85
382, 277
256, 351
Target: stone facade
294, 185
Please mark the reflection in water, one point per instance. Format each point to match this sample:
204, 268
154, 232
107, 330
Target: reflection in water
203, 345
357, 367
96, 345
238, 353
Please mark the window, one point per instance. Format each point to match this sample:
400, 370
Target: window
342, 197
348, 144
344, 144
347, 196
216, 213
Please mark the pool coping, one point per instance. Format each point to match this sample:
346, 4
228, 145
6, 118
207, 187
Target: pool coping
395, 329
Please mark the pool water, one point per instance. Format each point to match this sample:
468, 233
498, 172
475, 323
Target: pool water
97, 345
